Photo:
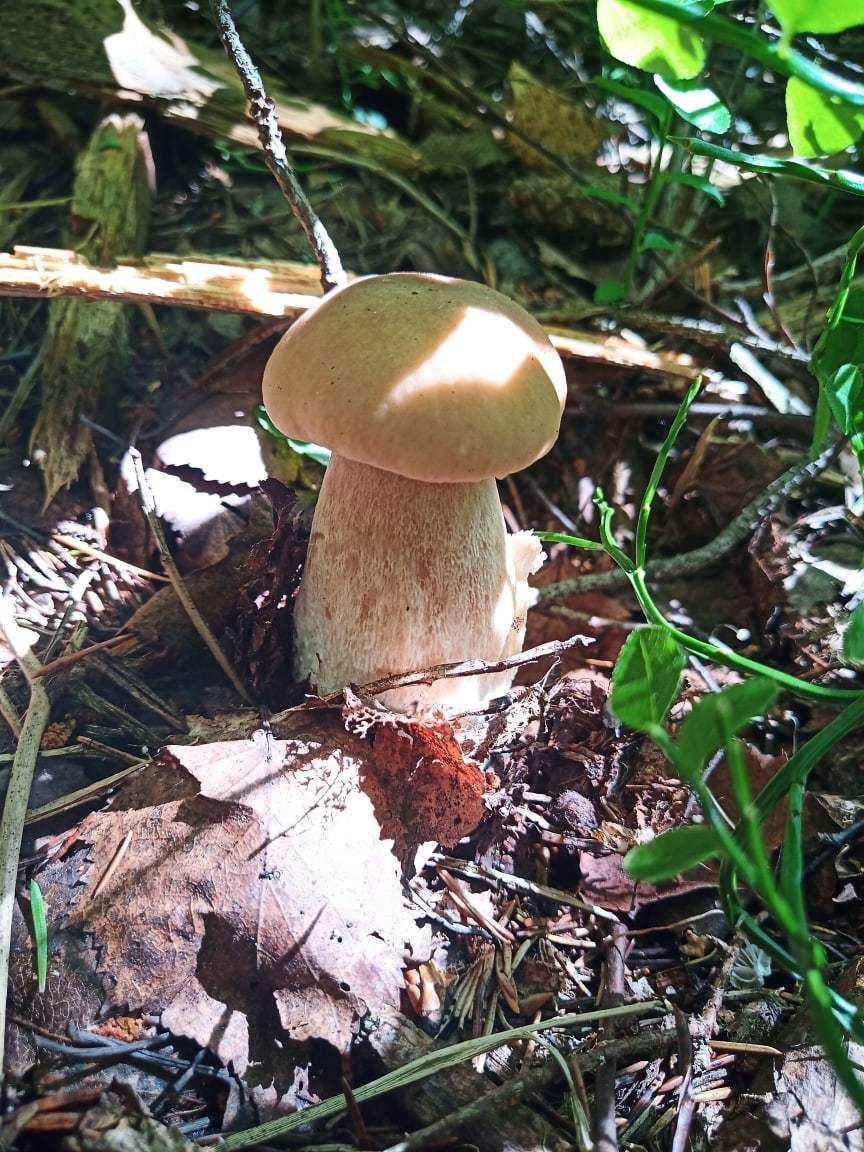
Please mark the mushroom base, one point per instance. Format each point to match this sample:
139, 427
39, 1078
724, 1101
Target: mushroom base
402, 575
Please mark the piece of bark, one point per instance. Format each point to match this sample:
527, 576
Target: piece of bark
85, 348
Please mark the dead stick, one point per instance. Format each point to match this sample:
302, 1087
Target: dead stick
18, 793
462, 668
267, 122
605, 1126
73, 657
75, 545
699, 1056
534, 1080
148, 505
9, 712
684, 565
258, 289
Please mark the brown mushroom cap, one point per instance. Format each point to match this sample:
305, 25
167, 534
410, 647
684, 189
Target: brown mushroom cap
440, 380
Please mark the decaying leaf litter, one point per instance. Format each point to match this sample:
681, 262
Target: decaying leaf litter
223, 965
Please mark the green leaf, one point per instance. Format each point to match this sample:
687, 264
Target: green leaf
829, 1030
610, 292
816, 15
672, 853
843, 344
690, 180
656, 242
650, 101
645, 680
845, 180
313, 451
301, 447
820, 124
705, 727
853, 637
845, 392
696, 104
40, 933
649, 41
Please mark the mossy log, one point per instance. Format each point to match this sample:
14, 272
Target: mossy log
85, 347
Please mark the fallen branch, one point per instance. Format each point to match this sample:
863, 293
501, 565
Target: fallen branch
735, 533
18, 792
262, 289
462, 668
614, 993
267, 122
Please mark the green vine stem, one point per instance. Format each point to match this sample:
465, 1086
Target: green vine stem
649, 200
636, 575
772, 54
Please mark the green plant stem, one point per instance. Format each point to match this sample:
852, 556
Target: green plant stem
649, 200
835, 316
731, 659
657, 472
607, 536
770, 53
18, 791
423, 1066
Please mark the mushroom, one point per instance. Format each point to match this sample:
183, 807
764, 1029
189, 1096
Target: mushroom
426, 389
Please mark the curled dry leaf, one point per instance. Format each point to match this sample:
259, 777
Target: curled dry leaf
254, 902
421, 785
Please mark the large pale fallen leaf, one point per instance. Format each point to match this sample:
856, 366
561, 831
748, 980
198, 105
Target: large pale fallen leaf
253, 902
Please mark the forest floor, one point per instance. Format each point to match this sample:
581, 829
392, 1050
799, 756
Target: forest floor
256, 901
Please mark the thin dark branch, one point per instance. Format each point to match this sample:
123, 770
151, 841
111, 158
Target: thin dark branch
605, 1124
264, 114
534, 1080
735, 533
694, 1050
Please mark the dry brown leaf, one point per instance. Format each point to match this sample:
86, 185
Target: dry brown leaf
255, 903
422, 786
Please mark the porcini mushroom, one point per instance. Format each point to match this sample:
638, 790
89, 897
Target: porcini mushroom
426, 389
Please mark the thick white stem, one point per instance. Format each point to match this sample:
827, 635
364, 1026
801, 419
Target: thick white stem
402, 574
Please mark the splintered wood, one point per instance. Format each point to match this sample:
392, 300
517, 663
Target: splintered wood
281, 289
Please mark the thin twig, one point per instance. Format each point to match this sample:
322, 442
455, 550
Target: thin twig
18, 792
148, 505
605, 1126
9, 712
76, 545
82, 795
70, 658
689, 562
531, 1081
639, 410
462, 668
267, 122
699, 1056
